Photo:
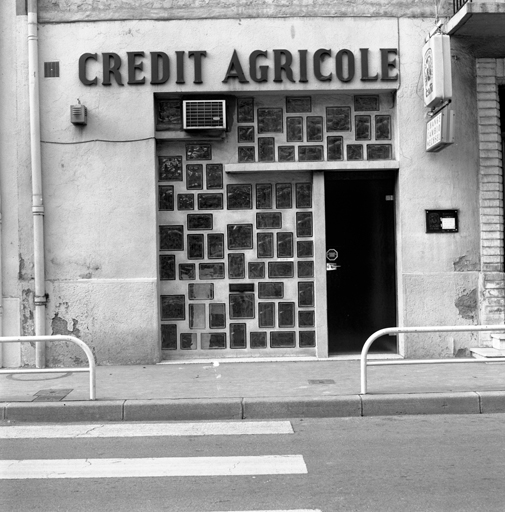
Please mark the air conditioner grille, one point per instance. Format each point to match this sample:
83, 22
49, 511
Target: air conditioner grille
203, 114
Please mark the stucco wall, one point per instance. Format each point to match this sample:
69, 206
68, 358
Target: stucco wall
91, 10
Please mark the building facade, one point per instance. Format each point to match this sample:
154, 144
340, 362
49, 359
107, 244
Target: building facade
232, 179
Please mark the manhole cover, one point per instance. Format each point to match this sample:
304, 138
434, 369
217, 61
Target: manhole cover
51, 395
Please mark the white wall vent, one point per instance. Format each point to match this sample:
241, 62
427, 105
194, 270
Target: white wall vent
204, 114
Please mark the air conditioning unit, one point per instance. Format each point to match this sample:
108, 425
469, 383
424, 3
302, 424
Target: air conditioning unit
204, 114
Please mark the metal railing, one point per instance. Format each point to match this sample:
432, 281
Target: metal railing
458, 4
91, 360
400, 330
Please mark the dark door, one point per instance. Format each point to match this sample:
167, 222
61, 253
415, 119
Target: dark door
360, 259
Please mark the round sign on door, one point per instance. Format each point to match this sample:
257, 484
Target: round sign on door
331, 255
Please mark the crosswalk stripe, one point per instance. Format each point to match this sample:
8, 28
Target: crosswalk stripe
152, 467
146, 430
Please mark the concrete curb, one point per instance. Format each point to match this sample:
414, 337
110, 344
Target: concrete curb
200, 409
183, 409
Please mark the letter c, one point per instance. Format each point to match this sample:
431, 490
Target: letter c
82, 68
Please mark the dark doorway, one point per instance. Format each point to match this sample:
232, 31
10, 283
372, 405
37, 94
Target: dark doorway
361, 284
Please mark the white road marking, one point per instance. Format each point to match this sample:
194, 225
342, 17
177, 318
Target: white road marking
146, 429
152, 467
284, 510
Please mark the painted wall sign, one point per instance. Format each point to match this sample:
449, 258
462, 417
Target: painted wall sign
278, 65
437, 76
440, 130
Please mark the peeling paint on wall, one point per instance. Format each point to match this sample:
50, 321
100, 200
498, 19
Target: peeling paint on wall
60, 326
465, 264
467, 305
27, 320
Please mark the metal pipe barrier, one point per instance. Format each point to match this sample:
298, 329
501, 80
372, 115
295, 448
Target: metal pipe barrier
91, 360
400, 330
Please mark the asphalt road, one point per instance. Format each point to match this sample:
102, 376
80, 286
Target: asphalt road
414, 463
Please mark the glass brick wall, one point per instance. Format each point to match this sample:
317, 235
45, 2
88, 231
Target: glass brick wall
236, 250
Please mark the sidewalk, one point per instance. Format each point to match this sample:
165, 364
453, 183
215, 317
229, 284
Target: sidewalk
253, 390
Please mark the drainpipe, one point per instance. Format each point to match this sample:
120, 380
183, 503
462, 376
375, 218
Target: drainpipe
37, 200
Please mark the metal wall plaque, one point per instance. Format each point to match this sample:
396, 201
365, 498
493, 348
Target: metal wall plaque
246, 154
197, 316
303, 224
310, 153
266, 149
307, 339
278, 269
166, 197
195, 247
266, 314
210, 201
168, 337
187, 271
245, 134
241, 305
294, 129
199, 221
215, 246
354, 151
305, 269
217, 315
211, 271
286, 314
300, 104
379, 151
304, 249
240, 236
306, 318
173, 307
282, 339
271, 290
194, 176
256, 270
271, 220
382, 127
306, 294
363, 127
442, 221
212, 341
258, 339
265, 246
366, 103
283, 196
314, 129
200, 291
188, 341
284, 245
185, 201
236, 266
245, 110
286, 153
304, 195
238, 336
167, 267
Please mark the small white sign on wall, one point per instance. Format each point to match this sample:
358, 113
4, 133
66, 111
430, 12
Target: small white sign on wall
437, 78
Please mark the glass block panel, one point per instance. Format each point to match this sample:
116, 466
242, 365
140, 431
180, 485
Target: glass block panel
258, 340
379, 151
283, 195
214, 176
282, 339
195, 247
280, 269
166, 197
266, 314
263, 195
169, 114
211, 270
295, 105
286, 153
198, 152
197, 316
294, 129
170, 168
194, 176
245, 133
265, 248
307, 339
366, 103
236, 266
215, 340
314, 128
200, 291
335, 148
304, 195
270, 120
210, 201
167, 267
266, 149
168, 337
306, 318
185, 201
304, 249
363, 127
187, 271
269, 220
240, 236
286, 314
338, 119
171, 238
199, 221
241, 305
304, 224
382, 127
246, 154
256, 270
239, 197
238, 336
310, 153
271, 290
217, 315
354, 152
284, 245
305, 269
173, 307
245, 110
188, 341
306, 294
215, 246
